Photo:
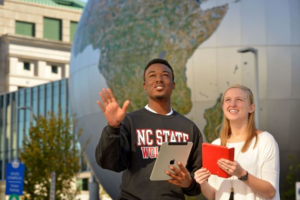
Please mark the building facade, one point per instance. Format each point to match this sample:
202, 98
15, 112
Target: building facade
35, 44
35, 41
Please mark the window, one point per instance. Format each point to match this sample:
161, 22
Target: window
83, 184
25, 28
49, 102
52, 29
20, 87
41, 99
64, 2
26, 66
54, 69
73, 27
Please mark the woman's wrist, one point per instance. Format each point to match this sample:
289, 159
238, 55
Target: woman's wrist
242, 173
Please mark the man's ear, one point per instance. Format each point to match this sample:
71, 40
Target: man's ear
173, 87
144, 86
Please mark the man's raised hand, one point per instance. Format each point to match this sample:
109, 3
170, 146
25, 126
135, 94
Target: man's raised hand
112, 111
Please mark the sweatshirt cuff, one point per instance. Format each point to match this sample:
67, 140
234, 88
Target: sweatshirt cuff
193, 189
112, 130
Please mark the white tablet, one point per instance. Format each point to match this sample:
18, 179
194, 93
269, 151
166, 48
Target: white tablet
170, 154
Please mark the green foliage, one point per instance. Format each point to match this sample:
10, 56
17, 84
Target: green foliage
288, 188
51, 147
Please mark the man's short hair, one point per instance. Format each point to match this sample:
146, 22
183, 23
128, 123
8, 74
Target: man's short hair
160, 61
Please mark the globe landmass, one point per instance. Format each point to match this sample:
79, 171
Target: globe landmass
131, 33
213, 117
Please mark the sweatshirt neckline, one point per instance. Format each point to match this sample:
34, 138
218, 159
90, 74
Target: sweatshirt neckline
153, 111
158, 115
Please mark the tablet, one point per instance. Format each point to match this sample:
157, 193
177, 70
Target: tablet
170, 154
211, 153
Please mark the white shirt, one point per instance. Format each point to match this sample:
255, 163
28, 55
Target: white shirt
148, 108
261, 162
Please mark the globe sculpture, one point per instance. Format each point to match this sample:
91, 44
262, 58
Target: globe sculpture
201, 39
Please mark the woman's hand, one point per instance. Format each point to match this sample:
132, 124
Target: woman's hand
202, 175
231, 167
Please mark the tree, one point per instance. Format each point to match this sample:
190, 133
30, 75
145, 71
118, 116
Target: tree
288, 189
51, 147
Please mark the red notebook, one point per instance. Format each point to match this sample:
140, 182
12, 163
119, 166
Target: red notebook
211, 153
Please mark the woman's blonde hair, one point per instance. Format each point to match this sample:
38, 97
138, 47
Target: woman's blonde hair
225, 131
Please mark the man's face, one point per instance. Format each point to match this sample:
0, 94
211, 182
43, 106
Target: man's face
158, 81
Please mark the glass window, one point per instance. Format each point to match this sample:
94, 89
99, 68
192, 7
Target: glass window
73, 27
20, 118
28, 114
63, 97
25, 28
26, 66
8, 125
20, 87
14, 130
83, 184
55, 97
34, 102
52, 28
67, 97
54, 69
48, 98
41, 99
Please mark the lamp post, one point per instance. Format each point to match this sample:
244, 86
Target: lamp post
93, 188
256, 95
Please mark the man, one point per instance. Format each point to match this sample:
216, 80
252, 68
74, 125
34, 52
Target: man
130, 141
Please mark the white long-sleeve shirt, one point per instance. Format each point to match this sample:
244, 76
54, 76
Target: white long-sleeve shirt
262, 162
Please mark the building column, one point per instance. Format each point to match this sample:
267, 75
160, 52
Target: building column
41, 69
65, 30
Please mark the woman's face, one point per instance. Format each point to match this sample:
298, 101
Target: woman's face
236, 105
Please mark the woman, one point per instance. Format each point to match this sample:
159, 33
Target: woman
255, 169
